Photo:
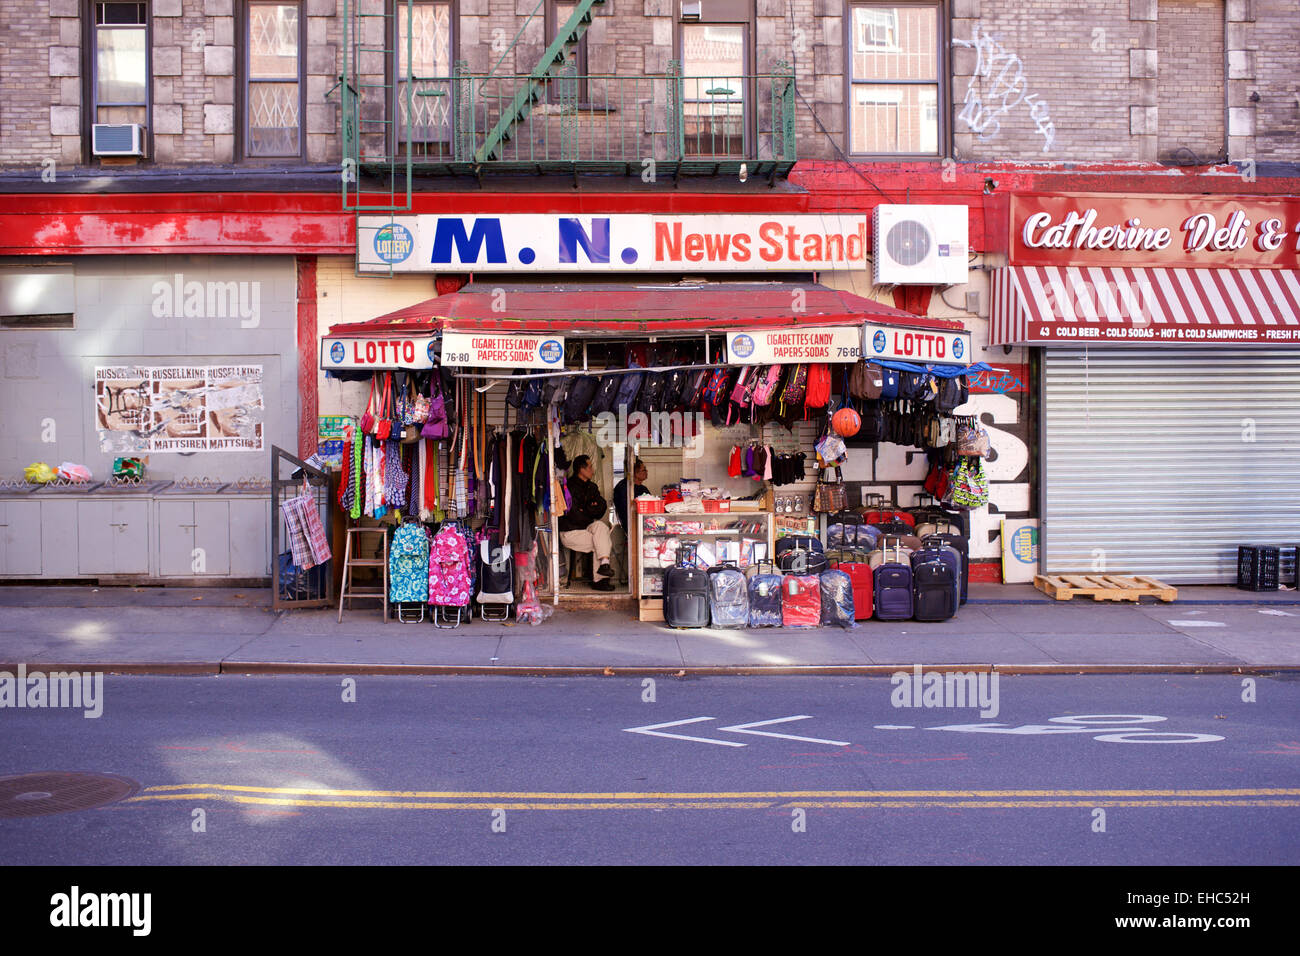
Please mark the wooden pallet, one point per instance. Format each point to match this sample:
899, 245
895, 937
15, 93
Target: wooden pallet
1104, 587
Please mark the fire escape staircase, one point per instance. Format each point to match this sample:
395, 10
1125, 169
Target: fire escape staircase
561, 51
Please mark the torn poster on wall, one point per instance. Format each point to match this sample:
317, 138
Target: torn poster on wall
181, 408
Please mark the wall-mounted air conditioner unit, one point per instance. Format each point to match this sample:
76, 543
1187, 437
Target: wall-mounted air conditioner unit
691, 9
920, 245
117, 139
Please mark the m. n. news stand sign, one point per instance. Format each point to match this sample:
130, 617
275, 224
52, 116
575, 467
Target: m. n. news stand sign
614, 243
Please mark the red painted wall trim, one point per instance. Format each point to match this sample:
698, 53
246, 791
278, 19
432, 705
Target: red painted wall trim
314, 224
986, 572
308, 360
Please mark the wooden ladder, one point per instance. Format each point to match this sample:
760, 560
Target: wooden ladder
349, 591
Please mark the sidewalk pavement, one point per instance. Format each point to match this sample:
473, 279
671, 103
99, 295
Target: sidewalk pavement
1011, 628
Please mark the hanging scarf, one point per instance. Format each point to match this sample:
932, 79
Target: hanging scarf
356, 500
395, 477
345, 485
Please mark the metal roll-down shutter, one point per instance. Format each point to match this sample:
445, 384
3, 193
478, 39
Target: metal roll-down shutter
1162, 461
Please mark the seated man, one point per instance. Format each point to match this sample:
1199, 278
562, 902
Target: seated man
623, 530
582, 527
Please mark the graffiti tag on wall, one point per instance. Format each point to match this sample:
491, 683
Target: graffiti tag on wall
1004, 74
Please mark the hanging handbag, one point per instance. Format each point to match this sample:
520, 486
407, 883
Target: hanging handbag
367, 423
972, 439
436, 426
383, 417
830, 496
417, 405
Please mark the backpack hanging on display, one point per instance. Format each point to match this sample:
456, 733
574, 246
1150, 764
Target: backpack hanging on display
818, 390
581, 391
865, 381
952, 392
889, 384
652, 390
768, 385
606, 393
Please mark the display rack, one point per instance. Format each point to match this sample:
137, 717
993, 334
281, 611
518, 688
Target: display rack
661, 536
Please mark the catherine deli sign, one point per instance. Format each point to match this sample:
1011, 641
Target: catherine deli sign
614, 243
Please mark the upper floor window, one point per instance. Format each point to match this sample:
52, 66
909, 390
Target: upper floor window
424, 100
895, 85
116, 67
713, 88
274, 85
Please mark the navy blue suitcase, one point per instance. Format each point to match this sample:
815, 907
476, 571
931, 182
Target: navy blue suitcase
764, 595
893, 586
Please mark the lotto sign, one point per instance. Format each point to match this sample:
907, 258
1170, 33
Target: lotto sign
475, 350
788, 346
377, 353
915, 345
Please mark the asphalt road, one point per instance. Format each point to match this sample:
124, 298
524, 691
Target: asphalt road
491, 770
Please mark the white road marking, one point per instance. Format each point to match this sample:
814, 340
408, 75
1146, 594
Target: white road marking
894, 727
1276, 613
652, 730
1197, 624
744, 729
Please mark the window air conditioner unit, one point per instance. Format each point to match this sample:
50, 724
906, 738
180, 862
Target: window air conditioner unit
691, 9
920, 245
117, 139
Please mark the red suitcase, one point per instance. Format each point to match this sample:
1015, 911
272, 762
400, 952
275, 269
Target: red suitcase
859, 573
801, 600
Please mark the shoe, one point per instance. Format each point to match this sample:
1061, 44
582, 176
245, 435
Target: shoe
605, 585
604, 571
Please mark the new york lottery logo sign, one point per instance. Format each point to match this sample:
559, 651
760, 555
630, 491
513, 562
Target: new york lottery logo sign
616, 243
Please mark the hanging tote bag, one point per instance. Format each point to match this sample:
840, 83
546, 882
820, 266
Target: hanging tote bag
831, 495
367, 423
384, 417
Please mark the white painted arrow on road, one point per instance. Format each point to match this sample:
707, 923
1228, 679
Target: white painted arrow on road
744, 729
656, 730
652, 730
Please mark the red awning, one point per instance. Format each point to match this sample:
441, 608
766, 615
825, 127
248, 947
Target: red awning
1039, 305
605, 310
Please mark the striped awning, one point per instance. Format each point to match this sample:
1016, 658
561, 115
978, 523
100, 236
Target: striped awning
1038, 305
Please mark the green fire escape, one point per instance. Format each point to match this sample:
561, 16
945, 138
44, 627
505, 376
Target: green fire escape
398, 123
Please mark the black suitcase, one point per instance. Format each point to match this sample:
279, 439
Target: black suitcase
935, 585
686, 593
800, 561
798, 542
962, 547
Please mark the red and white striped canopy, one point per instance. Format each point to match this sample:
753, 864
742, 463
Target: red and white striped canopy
1036, 305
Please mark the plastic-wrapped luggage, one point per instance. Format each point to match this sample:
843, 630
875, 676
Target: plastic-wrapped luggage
801, 600
728, 597
859, 572
764, 595
837, 599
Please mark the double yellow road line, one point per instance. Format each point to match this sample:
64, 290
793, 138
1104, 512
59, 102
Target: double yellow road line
294, 797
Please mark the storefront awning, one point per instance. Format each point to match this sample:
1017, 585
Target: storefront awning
605, 309
1038, 305
514, 313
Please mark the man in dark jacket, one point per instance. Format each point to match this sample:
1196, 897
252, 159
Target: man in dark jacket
582, 527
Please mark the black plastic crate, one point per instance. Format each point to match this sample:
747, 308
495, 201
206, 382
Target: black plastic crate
1258, 567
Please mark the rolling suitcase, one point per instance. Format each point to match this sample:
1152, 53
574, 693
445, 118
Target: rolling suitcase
728, 597
801, 600
893, 584
950, 556
801, 561
959, 543
936, 586
838, 608
797, 542
686, 593
859, 572
764, 595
